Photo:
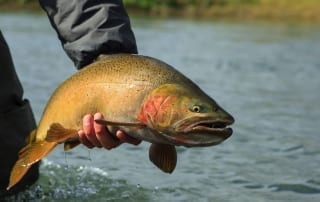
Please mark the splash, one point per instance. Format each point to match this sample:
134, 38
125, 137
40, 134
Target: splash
66, 182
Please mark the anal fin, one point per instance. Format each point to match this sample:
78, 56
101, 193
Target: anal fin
163, 156
57, 133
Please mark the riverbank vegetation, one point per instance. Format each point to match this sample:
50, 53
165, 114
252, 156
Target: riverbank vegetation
237, 9
213, 9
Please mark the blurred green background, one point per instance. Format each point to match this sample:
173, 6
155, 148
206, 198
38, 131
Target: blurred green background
236, 9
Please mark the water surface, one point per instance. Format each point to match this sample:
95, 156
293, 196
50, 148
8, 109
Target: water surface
265, 74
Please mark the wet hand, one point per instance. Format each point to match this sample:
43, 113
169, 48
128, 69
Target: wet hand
96, 135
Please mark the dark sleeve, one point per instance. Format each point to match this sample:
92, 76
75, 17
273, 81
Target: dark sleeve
88, 28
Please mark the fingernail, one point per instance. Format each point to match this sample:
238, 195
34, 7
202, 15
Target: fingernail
98, 116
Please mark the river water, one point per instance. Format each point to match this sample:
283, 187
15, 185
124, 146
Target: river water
266, 74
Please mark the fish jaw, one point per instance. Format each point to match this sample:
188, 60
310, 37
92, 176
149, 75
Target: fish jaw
200, 132
185, 116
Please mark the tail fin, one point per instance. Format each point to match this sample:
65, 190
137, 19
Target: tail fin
29, 155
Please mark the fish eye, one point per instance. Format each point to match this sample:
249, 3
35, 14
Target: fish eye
196, 108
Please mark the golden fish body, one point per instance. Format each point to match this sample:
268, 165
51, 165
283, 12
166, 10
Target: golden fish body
146, 98
116, 86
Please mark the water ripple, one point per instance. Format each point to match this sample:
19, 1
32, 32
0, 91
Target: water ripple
298, 188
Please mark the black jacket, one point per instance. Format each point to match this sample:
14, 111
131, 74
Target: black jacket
88, 28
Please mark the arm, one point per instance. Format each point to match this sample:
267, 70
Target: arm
86, 29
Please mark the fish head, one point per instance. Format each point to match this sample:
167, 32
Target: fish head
186, 116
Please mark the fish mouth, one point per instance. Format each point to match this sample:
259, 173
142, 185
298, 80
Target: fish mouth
211, 126
204, 132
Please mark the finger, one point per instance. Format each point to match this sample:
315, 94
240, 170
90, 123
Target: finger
126, 138
83, 139
103, 135
89, 132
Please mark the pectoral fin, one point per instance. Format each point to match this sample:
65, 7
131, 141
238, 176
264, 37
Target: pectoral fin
112, 123
163, 156
29, 155
57, 133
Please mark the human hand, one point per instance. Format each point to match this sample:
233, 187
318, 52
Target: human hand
96, 135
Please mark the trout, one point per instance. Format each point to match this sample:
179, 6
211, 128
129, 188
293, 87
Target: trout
142, 96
